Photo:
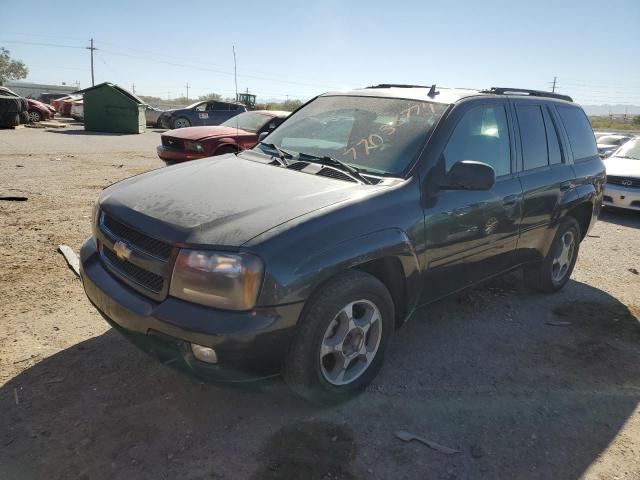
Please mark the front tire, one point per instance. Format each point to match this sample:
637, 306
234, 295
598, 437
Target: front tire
34, 116
341, 338
554, 272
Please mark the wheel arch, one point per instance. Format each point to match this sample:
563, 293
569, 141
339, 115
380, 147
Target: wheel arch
583, 213
390, 272
387, 255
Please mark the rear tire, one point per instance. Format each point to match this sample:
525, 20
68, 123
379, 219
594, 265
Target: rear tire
554, 272
341, 338
181, 123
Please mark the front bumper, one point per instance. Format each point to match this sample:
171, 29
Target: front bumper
621, 197
250, 345
170, 155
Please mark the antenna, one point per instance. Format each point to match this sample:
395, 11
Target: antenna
235, 77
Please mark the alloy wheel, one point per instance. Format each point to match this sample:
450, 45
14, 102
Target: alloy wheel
564, 256
350, 342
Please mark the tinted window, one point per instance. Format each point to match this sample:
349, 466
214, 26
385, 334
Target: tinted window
533, 136
482, 135
579, 131
219, 106
553, 142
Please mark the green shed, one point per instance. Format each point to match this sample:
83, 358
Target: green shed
111, 108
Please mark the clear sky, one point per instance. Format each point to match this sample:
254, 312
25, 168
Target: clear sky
301, 48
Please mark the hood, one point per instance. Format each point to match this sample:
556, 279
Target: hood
222, 201
622, 167
200, 133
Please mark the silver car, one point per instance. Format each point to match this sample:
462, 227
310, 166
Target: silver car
152, 114
623, 177
608, 144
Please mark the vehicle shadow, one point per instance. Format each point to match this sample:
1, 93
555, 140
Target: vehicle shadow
525, 385
88, 133
619, 216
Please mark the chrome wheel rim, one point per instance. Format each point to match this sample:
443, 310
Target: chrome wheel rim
564, 256
33, 116
180, 123
350, 343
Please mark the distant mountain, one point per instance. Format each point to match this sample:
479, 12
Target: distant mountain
598, 110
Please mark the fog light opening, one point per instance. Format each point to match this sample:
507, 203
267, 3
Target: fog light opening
204, 354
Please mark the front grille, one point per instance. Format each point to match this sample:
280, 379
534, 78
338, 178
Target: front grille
140, 241
171, 142
139, 275
625, 181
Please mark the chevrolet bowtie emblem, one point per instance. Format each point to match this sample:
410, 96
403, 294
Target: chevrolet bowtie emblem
122, 250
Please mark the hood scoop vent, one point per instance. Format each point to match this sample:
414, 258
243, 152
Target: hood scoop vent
337, 174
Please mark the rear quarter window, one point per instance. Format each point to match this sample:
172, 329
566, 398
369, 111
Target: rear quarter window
578, 128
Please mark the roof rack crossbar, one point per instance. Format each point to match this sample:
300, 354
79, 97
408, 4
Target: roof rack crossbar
532, 93
398, 85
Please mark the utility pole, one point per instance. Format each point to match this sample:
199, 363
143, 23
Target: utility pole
187, 90
133, 88
553, 88
92, 48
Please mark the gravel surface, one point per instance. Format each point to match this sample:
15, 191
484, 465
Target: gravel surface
524, 385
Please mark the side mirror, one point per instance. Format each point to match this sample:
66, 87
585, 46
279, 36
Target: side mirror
262, 136
470, 175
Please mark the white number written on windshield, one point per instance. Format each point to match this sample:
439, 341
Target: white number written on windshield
376, 140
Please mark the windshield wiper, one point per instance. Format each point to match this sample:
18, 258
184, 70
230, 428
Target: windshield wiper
626, 156
282, 154
332, 162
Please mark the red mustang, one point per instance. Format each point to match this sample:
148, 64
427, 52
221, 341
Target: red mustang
237, 133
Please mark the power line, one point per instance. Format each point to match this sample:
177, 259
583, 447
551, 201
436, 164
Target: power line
39, 44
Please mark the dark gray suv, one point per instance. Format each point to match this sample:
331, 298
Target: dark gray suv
304, 254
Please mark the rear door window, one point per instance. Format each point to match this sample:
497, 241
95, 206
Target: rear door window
533, 136
579, 131
482, 135
553, 142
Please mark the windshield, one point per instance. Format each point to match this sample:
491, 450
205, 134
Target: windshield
194, 105
248, 121
609, 140
378, 135
631, 149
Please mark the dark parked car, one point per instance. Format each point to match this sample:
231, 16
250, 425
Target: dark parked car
200, 113
305, 253
237, 133
13, 108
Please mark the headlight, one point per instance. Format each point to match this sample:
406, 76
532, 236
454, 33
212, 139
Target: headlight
217, 279
193, 146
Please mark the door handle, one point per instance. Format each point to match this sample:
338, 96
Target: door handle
509, 200
564, 186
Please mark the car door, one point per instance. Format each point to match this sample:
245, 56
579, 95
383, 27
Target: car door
471, 235
545, 174
200, 115
218, 112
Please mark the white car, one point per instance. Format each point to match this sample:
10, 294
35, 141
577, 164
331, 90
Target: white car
77, 110
623, 177
608, 144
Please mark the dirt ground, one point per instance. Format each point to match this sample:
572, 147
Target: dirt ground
527, 386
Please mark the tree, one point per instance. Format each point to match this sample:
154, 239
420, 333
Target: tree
210, 96
636, 120
11, 69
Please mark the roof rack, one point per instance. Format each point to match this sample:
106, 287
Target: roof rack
432, 88
525, 91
